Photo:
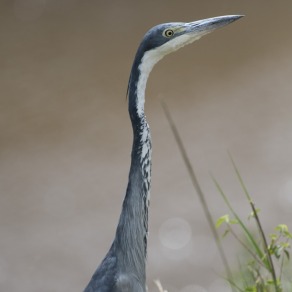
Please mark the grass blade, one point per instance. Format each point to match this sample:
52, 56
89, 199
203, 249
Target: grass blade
259, 225
248, 235
198, 189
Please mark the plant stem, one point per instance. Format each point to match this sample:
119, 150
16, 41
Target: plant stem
266, 248
272, 268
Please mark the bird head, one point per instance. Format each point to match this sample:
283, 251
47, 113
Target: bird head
161, 40
169, 37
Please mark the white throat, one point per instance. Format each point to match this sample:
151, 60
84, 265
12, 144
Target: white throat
151, 57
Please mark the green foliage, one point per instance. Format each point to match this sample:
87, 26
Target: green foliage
264, 267
257, 271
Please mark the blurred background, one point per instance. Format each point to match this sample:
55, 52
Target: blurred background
65, 135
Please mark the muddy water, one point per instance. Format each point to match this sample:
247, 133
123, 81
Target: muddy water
65, 136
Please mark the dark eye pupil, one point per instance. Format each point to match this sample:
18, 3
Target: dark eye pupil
169, 33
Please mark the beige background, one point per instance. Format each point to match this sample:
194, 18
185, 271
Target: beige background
65, 135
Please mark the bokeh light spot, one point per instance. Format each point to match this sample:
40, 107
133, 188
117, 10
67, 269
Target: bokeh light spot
175, 233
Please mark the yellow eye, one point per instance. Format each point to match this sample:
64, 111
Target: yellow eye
168, 33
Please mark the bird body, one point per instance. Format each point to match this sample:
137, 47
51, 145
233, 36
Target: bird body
123, 268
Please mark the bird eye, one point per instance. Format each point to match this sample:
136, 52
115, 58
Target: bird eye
168, 33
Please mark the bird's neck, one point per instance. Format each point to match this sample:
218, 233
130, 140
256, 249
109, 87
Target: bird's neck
132, 230
141, 69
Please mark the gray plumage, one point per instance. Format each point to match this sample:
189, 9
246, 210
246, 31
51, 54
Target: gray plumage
123, 268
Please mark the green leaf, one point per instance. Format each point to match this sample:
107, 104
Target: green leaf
278, 251
233, 221
273, 236
222, 219
283, 228
246, 231
285, 244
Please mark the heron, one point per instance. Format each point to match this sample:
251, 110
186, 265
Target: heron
123, 267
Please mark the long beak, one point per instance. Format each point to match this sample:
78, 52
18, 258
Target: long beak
204, 26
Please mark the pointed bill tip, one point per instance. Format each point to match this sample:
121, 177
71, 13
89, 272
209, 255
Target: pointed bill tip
227, 19
207, 25
235, 17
